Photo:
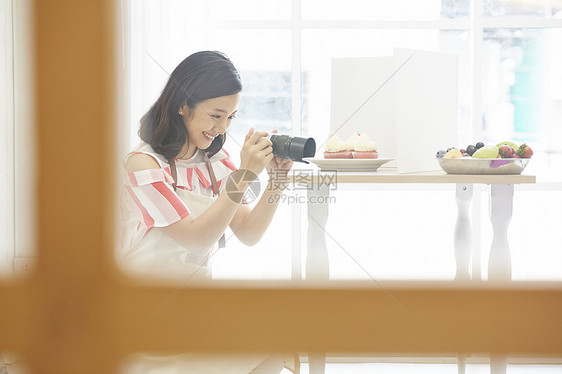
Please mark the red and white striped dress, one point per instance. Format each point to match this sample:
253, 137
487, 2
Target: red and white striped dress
149, 203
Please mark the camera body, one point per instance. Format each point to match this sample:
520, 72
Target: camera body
294, 148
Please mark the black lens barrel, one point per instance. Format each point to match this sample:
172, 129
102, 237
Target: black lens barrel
294, 148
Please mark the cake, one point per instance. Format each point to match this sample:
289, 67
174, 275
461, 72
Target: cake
353, 139
336, 148
357, 146
363, 147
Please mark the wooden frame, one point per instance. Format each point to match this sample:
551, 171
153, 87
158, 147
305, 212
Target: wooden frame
77, 314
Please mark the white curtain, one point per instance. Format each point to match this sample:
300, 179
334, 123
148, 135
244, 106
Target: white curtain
6, 138
157, 36
17, 144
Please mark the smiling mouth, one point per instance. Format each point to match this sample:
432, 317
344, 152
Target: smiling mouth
210, 137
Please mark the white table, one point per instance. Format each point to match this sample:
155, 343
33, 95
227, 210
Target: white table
501, 209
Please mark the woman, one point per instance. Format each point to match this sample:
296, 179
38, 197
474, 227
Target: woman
172, 209
187, 125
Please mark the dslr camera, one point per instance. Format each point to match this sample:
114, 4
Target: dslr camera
293, 147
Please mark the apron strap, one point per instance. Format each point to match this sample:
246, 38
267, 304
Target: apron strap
172, 163
215, 186
214, 183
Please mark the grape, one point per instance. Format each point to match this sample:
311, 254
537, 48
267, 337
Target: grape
470, 150
479, 145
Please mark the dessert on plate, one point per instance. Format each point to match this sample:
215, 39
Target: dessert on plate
352, 141
365, 148
357, 146
336, 148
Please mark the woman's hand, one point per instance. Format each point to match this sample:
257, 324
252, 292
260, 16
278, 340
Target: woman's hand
257, 151
278, 167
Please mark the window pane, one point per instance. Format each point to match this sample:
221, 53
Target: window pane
385, 10
321, 46
163, 34
265, 69
522, 92
250, 9
523, 9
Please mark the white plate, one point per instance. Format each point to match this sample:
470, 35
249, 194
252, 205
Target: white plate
469, 165
346, 164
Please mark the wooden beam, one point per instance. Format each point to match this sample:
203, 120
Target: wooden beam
17, 312
412, 321
75, 96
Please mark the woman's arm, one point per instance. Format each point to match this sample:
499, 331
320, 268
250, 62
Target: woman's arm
199, 234
249, 225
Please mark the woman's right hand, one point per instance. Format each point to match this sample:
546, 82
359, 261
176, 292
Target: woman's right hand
257, 151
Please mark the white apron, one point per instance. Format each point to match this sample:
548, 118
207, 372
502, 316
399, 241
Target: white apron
158, 256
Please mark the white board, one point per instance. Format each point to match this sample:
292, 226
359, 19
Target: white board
407, 103
363, 102
426, 107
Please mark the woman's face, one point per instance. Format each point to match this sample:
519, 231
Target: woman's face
207, 120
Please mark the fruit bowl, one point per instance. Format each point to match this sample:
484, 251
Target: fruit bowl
469, 165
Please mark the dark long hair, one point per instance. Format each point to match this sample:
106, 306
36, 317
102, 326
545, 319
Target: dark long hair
201, 76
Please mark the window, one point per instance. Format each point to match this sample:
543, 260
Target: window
77, 311
284, 53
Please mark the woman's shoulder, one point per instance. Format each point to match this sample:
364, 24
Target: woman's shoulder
143, 157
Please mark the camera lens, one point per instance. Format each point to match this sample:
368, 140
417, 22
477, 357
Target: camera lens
294, 148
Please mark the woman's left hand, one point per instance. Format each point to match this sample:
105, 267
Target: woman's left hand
278, 167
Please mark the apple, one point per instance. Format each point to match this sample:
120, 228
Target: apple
487, 151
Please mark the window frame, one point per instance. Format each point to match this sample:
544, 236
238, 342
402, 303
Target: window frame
82, 315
